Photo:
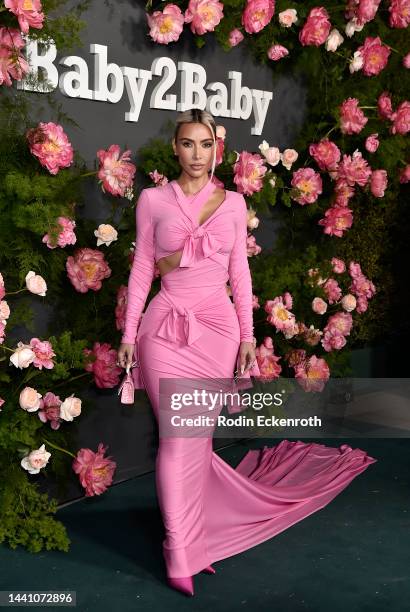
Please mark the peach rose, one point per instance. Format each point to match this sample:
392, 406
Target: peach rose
319, 306
105, 234
288, 157
271, 154
30, 399
287, 18
4, 311
349, 302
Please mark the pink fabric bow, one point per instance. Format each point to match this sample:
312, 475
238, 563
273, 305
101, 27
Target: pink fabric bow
209, 246
167, 328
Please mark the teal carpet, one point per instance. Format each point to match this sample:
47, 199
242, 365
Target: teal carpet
352, 555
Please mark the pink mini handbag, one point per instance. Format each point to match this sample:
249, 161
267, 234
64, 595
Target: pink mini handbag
126, 388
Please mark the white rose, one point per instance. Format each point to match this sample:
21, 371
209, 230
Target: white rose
272, 155
105, 234
70, 408
30, 399
334, 40
356, 62
37, 459
36, 283
264, 146
23, 356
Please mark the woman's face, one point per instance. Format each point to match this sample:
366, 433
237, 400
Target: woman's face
195, 149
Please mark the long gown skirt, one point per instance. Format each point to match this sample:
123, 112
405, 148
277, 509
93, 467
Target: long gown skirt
210, 510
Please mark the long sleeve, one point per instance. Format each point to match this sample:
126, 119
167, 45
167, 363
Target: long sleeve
240, 279
142, 270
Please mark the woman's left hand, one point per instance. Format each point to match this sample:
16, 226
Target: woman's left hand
247, 357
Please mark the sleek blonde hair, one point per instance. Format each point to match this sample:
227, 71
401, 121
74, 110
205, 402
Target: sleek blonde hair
196, 115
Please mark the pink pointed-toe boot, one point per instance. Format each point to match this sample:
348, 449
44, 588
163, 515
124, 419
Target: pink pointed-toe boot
184, 584
209, 570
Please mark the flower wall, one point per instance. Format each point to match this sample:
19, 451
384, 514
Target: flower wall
324, 287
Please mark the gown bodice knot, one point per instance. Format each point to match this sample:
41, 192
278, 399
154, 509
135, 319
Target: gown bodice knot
208, 244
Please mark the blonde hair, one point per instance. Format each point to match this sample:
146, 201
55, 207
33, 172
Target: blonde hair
196, 115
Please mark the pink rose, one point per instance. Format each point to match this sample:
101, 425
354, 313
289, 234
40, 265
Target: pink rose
352, 118
257, 14
2, 287
343, 192
384, 105
399, 13
372, 143
50, 410
249, 170
337, 220
66, 235
28, 13
354, 169
251, 246
276, 52
158, 179
43, 353
307, 186
375, 55
166, 26
104, 366
49, 143
316, 28
341, 322
401, 119
235, 37
94, 470
204, 15
338, 265
86, 269
116, 172
326, 154
378, 183
271, 154
332, 290
404, 176
406, 61
312, 374
12, 64
333, 340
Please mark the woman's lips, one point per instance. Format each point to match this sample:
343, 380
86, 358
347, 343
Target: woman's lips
197, 166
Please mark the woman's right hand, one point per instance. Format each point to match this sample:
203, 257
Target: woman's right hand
125, 354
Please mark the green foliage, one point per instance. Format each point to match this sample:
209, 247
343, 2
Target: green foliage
26, 514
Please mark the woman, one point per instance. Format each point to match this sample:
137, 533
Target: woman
196, 234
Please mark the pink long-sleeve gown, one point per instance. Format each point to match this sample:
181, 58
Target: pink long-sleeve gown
191, 329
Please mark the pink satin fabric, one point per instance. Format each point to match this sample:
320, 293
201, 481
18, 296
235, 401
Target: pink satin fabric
191, 329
